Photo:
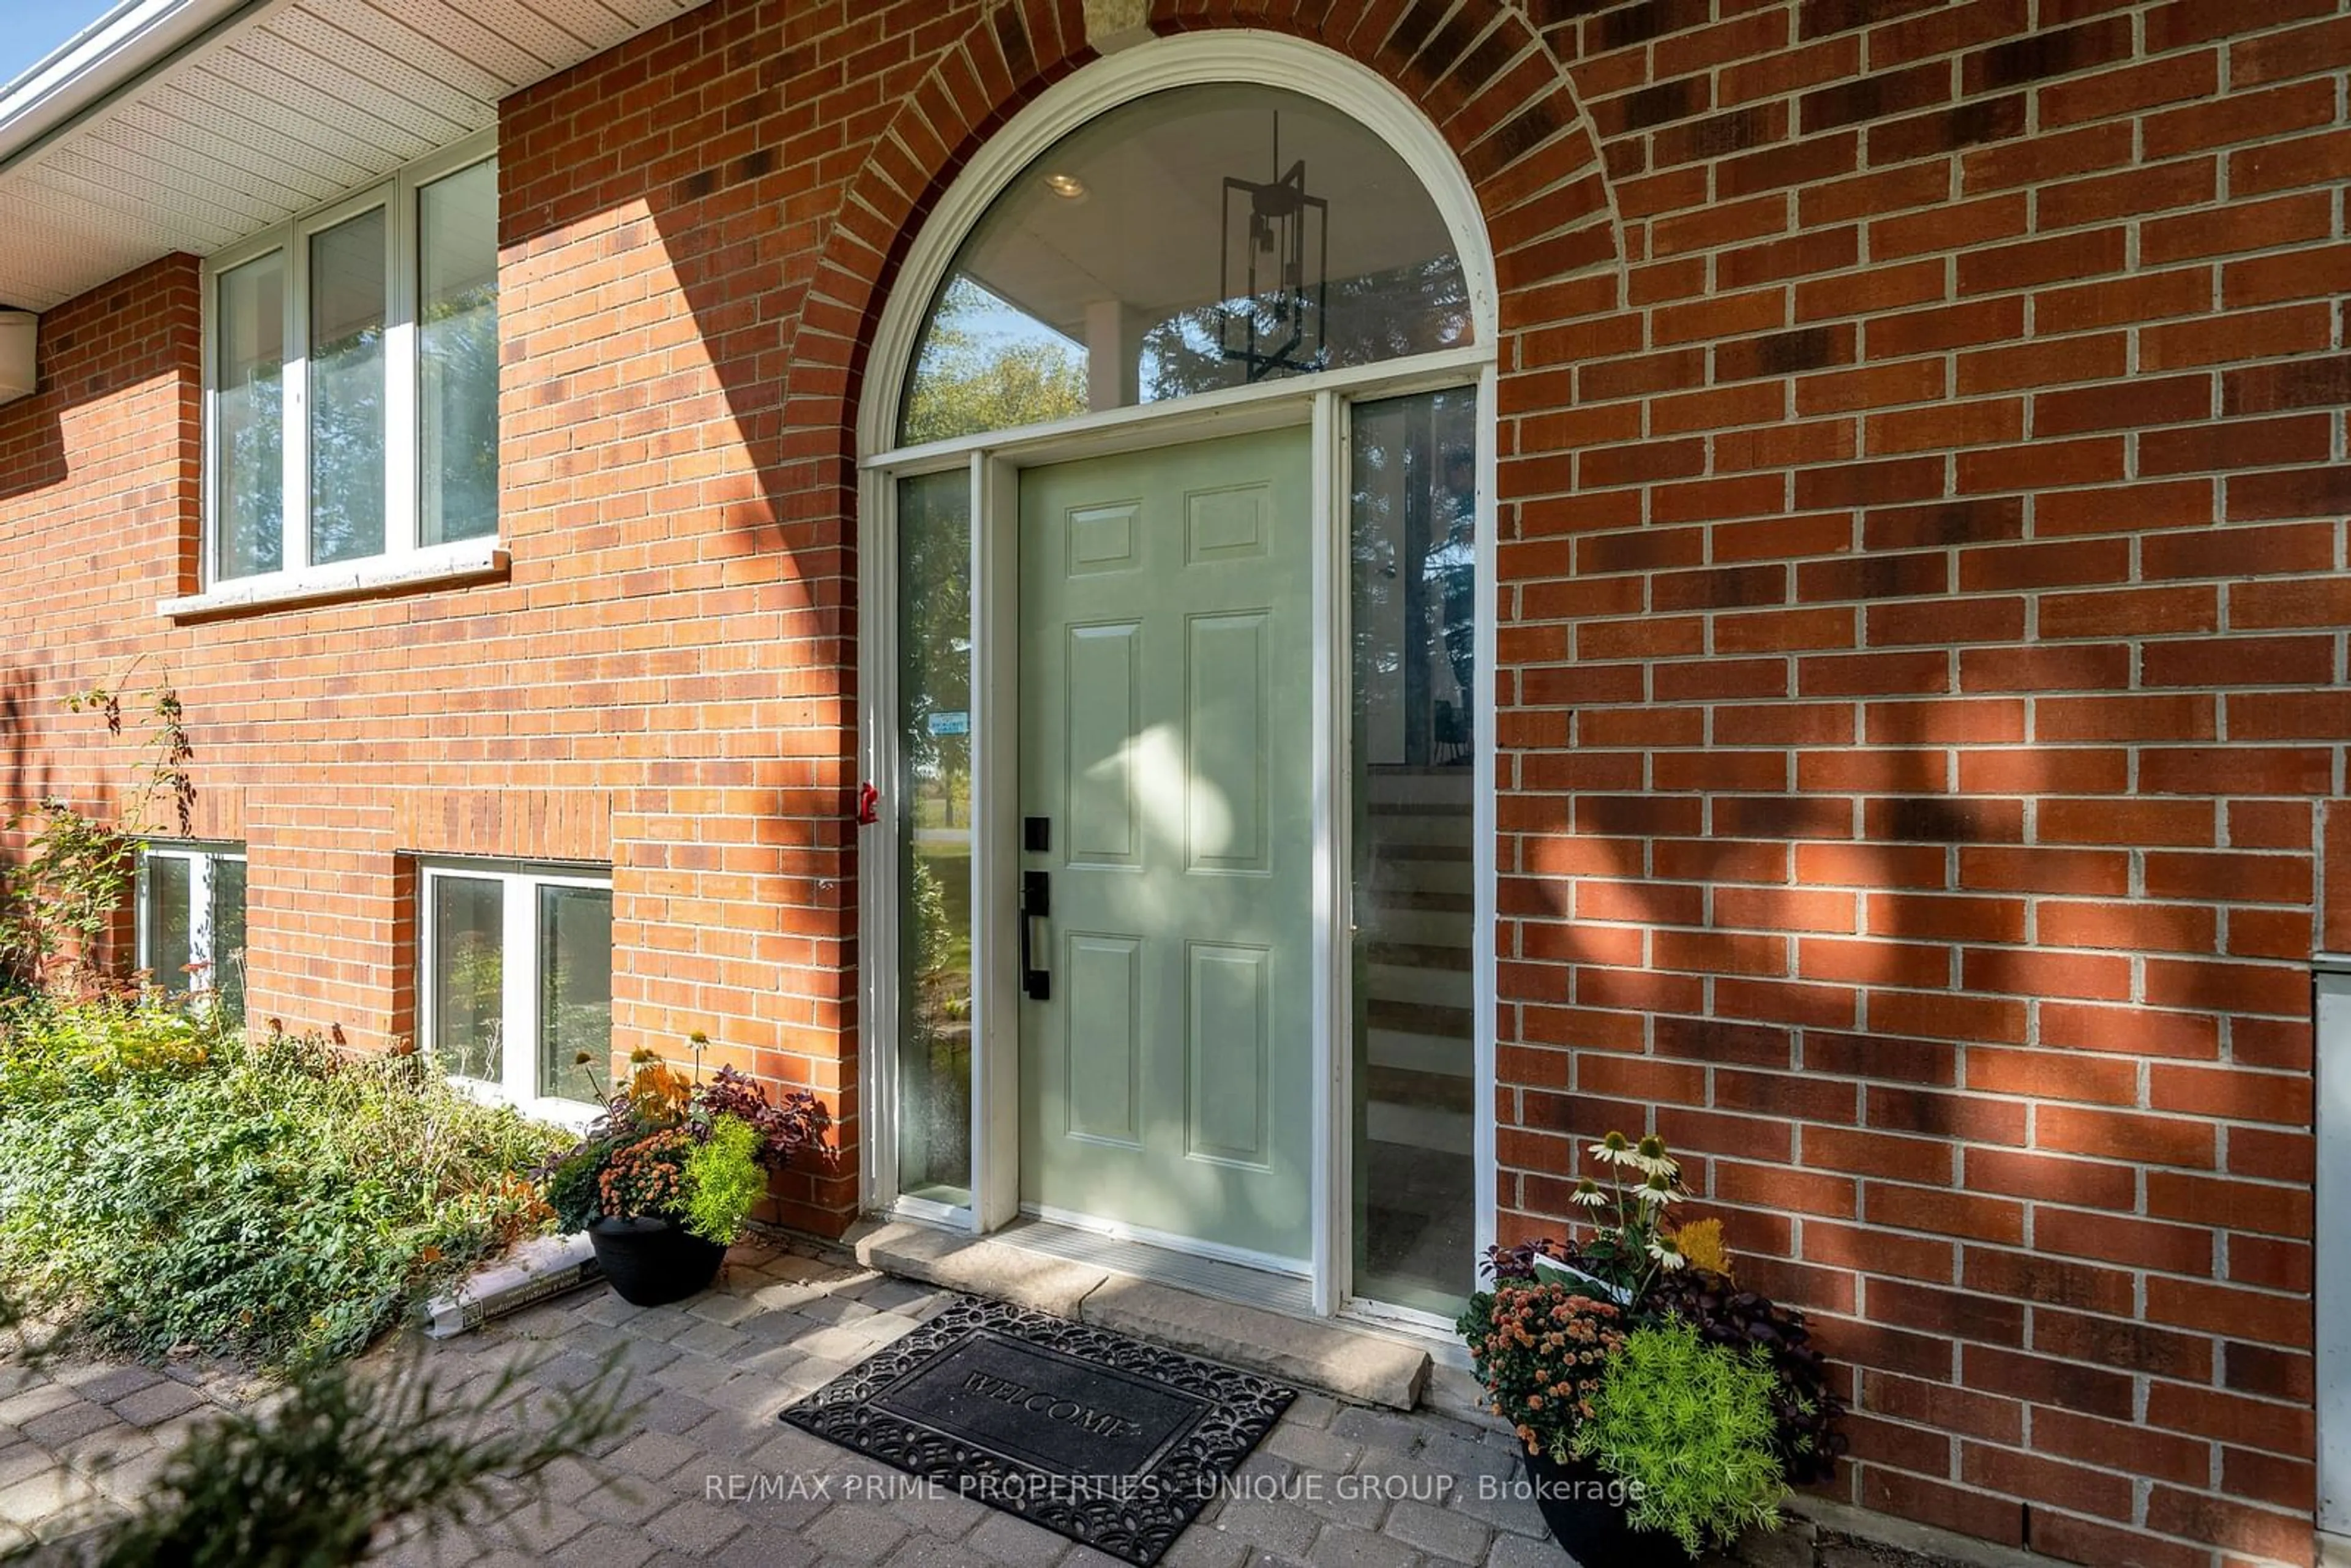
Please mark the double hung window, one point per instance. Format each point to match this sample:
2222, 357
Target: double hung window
353, 378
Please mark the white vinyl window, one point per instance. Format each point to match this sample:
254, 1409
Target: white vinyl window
192, 920
351, 377
515, 979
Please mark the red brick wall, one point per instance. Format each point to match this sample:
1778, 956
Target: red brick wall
1921, 530
1924, 630
98, 515
640, 690
1921, 628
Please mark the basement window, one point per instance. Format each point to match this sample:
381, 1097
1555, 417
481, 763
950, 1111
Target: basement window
514, 980
351, 384
192, 920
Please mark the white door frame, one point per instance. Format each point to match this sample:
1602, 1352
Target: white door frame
994, 461
2332, 1228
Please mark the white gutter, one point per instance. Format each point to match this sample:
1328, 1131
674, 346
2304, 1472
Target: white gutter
104, 59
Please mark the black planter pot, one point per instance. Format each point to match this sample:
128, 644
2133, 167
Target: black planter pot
1585, 1507
653, 1262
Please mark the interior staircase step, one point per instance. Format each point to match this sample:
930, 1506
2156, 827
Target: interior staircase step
1420, 955
1382, 898
1439, 987
1450, 1055
1387, 923
1450, 785
1420, 849
1431, 1090
1421, 1018
1420, 876
1419, 1127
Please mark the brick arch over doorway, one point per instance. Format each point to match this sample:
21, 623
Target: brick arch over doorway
1486, 79
1922, 495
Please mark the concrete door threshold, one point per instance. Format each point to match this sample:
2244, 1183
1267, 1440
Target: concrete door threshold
1339, 1358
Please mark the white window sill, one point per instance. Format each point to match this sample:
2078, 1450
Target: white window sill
466, 561
571, 1115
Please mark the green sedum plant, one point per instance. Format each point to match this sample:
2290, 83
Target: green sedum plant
1688, 1426
724, 1180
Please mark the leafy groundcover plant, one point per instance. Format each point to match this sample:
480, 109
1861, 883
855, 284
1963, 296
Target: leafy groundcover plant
1706, 1398
670, 1147
173, 1187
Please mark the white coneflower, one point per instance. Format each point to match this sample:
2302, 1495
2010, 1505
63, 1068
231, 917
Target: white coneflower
1651, 1156
1616, 1149
1587, 1193
1666, 1252
1657, 1191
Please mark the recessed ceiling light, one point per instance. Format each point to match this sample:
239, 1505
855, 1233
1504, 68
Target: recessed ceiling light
1068, 187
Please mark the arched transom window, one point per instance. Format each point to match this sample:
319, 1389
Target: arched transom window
1198, 238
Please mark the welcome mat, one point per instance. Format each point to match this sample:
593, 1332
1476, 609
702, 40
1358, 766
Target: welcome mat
1116, 1444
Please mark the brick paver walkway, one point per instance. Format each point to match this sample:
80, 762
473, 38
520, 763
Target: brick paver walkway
709, 1475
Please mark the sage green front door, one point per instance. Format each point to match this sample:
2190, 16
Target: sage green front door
1166, 661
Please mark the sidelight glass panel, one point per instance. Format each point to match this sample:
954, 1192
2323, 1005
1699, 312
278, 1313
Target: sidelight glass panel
458, 354
935, 837
469, 976
170, 937
574, 990
248, 413
347, 388
1202, 237
1414, 592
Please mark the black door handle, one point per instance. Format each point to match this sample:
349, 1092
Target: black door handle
1036, 904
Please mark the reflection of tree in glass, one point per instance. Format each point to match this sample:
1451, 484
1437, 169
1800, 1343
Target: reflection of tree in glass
253, 478
458, 348
963, 384
346, 446
934, 774
471, 1025
227, 975
1412, 540
933, 628
1413, 309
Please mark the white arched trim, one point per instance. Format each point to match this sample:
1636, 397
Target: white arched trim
1185, 60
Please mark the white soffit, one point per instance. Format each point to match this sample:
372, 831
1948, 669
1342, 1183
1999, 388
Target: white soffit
187, 125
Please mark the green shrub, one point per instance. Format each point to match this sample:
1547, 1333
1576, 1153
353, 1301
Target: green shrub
1688, 1425
176, 1186
573, 1187
723, 1180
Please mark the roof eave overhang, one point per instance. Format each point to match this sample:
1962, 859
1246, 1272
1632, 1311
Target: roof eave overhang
109, 56
191, 125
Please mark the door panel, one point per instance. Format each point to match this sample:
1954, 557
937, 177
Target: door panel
1103, 1099
1166, 658
1227, 741
1102, 675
